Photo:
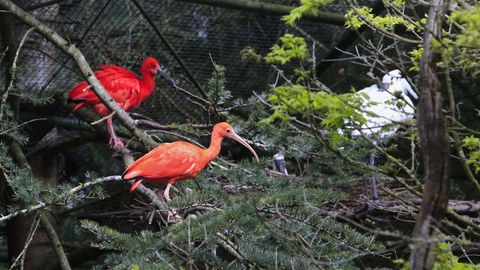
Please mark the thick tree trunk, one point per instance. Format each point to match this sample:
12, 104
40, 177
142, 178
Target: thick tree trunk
435, 145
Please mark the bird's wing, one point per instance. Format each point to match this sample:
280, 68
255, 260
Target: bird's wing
407, 88
121, 84
166, 161
79, 91
369, 90
113, 70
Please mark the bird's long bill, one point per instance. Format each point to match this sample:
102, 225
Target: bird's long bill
239, 139
168, 78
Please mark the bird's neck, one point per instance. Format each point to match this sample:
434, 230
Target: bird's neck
215, 145
148, 83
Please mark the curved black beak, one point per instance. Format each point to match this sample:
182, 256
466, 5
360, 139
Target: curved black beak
168, 78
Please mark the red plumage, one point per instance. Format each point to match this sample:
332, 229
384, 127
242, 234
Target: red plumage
172, 162
125, 88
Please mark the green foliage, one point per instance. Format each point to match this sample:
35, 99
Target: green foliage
250, 53
9, 127
358, 17
25, 187
415, 56
396, 3
333, 110
444, 260
292, 48
462, 49
136, 250
472, 144
276, 223
216, 86
470, 20
306, 6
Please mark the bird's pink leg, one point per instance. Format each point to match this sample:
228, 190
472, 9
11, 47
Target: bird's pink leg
172, 215
115, 142
166, 192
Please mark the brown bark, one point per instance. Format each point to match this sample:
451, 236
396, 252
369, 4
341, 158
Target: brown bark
434, 142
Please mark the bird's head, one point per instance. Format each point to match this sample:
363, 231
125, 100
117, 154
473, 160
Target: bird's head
391, 77
225, 130
395, 80
151, 66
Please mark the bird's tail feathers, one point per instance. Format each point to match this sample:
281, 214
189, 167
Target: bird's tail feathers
131, 175
79, 103
135, 184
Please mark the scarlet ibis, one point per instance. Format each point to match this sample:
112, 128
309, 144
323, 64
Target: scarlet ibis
385, 107
177, 161
124, 87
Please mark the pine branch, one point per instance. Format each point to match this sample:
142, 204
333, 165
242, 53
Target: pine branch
88, 73
42, 205
13, 69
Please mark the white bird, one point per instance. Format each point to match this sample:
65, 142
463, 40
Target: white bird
384, 108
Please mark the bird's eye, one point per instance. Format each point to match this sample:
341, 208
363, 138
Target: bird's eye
228, 130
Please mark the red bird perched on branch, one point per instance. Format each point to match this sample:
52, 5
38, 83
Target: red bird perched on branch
124, 87
172, 162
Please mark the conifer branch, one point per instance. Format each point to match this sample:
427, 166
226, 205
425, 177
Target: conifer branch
22, 124
13, 69
88, 73
76, 189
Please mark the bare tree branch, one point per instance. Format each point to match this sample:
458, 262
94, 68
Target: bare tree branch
55, 241
88, 73
264, 8
70, 49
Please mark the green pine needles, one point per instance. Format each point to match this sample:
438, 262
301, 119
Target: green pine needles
274, 224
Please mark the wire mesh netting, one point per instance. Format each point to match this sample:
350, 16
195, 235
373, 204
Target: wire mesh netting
109, 31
